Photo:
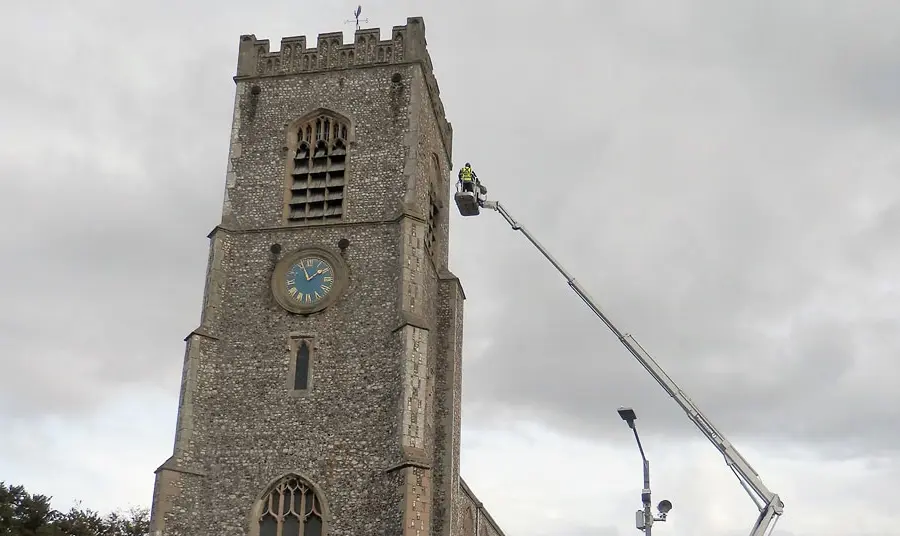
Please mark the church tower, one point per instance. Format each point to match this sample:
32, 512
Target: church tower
321, 390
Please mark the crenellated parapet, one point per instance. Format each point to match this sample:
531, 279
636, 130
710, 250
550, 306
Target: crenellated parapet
329, 53
406, 45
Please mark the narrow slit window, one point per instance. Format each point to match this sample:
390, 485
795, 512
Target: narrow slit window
301, 370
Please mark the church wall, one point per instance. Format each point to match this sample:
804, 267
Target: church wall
377, 432
444, 296
473, 518
251, 430
377, 109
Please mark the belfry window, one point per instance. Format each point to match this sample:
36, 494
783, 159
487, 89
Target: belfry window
291, 509
316, 184
431, 231
433, 209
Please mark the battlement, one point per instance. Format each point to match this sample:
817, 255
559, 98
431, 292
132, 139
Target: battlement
406, 45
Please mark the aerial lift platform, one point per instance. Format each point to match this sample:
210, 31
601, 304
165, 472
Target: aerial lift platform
470, 203
768, 503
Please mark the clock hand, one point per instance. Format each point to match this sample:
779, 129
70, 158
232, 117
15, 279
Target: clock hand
305, 273
320, 271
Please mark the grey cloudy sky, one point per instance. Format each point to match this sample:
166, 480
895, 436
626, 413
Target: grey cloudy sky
721, 176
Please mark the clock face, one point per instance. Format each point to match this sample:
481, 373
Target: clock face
309, 280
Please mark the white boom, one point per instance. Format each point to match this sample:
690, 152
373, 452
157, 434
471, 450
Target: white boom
769, 504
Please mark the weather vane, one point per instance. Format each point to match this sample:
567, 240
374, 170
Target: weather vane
356, 16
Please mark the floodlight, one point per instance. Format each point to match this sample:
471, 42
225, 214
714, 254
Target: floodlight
665, 506
628, 415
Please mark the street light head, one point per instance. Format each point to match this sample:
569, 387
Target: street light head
664, 507
628, 416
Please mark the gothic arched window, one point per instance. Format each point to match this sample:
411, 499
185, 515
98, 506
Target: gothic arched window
291, 508
434, 206
318, 162
434, 211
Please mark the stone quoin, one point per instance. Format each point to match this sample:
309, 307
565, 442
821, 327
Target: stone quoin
337, 413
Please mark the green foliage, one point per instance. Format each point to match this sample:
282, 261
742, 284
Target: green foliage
24, 514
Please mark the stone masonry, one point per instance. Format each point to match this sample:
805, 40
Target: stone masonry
345, 148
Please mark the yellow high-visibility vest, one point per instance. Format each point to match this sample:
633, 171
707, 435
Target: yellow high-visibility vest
466, 174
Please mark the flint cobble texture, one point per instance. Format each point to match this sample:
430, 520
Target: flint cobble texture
376, 434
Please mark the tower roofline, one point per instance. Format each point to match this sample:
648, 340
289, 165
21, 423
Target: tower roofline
406, 45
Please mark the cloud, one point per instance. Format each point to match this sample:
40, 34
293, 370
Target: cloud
725, 188
721, 178
104, 461
537, 482
111, 192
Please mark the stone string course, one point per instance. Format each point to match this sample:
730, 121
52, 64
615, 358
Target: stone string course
377, 434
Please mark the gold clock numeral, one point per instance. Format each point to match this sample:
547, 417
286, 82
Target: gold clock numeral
307, 283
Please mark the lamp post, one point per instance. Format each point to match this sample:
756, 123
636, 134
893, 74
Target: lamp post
644, 518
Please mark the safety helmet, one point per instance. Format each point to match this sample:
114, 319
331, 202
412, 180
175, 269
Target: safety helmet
468, 165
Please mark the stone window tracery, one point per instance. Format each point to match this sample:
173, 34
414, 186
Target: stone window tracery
291, 508
318, 166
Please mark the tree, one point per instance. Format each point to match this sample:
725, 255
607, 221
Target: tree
80, 522
132, 522
23, 514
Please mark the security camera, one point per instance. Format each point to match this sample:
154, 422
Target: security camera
664, 507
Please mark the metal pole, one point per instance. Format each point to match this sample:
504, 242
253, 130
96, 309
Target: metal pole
769, 504
645, 492
645, 497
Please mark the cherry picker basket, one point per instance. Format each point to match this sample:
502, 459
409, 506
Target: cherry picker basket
469, 203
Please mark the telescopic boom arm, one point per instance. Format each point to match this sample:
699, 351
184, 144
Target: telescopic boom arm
768, 503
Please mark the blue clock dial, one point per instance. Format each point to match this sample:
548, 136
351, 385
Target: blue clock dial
309, 280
